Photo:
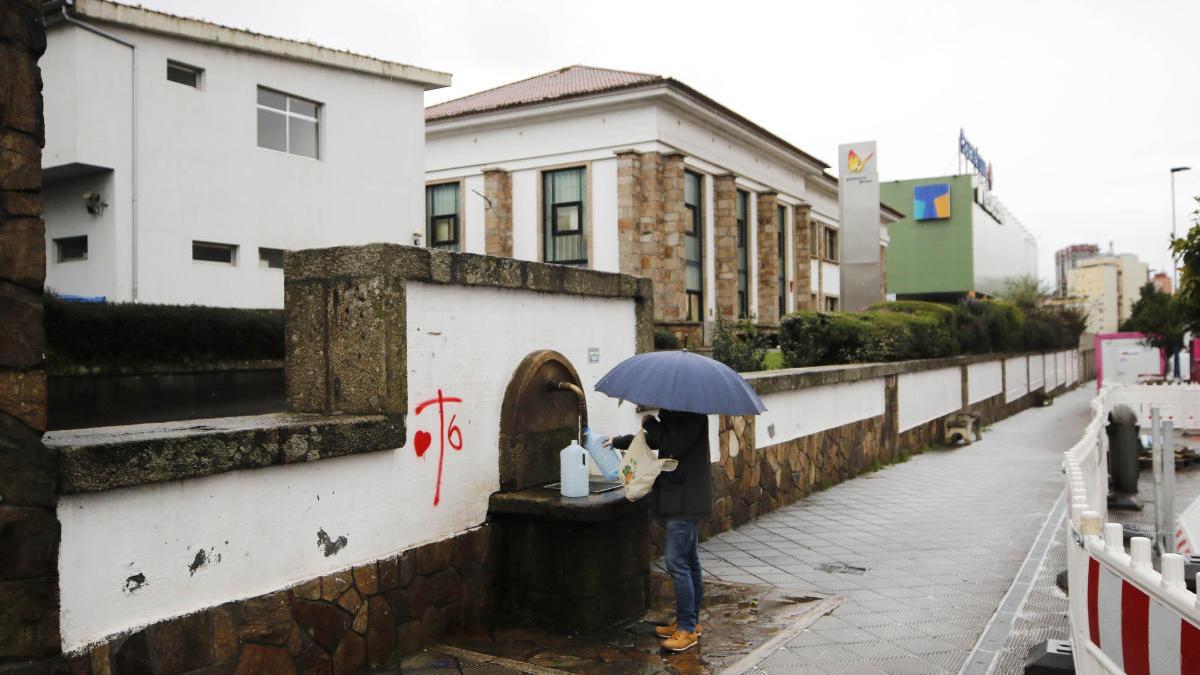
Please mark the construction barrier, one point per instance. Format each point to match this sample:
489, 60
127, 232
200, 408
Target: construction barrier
1126, 617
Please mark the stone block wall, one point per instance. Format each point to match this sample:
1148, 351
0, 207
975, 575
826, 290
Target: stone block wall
497, 219
357, 619
651, 219
768, 258
805, 249
29, 529
725, 237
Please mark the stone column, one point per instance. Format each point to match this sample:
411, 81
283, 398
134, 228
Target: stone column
650, 222
803, 257
725, 237
29, 530
497, 219
670, 287
768, 258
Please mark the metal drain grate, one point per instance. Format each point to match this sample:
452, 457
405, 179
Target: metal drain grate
840, 568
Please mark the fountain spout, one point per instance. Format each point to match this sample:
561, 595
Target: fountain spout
581, 402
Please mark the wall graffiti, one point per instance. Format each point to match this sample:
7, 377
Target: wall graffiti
446, 433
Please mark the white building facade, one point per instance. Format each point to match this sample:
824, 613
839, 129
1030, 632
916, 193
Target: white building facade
182, 158
633, 173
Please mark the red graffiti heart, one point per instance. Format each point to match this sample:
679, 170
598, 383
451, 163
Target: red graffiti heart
421, 441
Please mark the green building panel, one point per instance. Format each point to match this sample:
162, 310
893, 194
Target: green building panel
932, 255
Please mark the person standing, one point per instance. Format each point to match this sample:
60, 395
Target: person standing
682, 499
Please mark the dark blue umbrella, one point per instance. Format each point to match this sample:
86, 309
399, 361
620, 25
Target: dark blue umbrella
683, 381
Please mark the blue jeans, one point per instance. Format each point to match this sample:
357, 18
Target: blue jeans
683, 562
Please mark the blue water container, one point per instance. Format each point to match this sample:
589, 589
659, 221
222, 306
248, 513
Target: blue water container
573, 471
606, 458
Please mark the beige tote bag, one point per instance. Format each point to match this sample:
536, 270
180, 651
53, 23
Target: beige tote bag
640, 467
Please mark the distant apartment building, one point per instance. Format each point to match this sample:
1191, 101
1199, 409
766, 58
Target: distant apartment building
957, 240
641, 174
182, 157
1109, 286
1162, 282
1065, 260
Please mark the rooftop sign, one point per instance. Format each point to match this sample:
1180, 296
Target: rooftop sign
971, 154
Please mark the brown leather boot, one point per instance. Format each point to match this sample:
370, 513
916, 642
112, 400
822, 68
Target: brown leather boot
681, 641
667, 631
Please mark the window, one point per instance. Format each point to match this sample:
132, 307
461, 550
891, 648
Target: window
831, 244
563, 194
441, 216
743, 255
831, 303
781, 219
814, 244
693, 246
71, 248
184, 74
288, 124
207, 251
270, 258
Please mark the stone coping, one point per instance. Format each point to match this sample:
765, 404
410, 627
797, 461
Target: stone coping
463, 269
547, 504
790, 379
106, 458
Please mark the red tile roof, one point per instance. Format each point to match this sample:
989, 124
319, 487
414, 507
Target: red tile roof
557, 84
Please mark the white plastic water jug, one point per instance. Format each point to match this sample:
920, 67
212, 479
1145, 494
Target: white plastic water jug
573, 471
606, 458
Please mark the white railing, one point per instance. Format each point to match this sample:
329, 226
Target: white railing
1125, 616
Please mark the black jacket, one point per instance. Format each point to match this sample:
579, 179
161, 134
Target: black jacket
687, 491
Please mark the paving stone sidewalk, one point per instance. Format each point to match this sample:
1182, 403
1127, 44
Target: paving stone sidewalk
923, 552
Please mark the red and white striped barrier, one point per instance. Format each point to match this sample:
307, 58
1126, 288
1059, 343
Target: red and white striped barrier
1126, 617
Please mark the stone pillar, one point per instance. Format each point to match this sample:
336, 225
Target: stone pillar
725, 237
768, 258
29, 530
803, 257
497, 219
651, 218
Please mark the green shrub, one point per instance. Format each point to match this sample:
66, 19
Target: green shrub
665, 339
803, 339
87, 335
744, 353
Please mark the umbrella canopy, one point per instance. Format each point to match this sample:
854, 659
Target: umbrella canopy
683, 381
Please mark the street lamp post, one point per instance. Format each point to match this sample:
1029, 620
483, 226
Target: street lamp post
1174, 267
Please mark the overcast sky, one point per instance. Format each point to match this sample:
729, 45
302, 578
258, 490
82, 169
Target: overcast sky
1081, 106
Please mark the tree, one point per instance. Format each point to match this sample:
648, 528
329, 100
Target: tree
1186, 253
1158, 316
1025, 292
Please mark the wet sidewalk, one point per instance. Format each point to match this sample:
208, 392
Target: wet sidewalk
923, 552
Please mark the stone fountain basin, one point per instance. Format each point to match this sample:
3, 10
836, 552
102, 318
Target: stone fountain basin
605, 502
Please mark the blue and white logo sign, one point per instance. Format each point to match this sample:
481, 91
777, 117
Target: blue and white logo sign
971, 153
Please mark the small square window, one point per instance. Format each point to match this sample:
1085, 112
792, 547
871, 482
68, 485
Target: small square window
207, 251
71, 248
288, 124
270, 258
184, 74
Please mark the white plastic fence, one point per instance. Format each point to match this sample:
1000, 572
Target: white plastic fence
1125, 616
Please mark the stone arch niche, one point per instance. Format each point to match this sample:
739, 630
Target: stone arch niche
536, 420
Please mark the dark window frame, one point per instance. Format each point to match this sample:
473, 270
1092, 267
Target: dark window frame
554, 233
743, 253
214, 245
781, 226
317, 119
59, 243
694, 297
267, 254
831, 244
196, 72
431, 241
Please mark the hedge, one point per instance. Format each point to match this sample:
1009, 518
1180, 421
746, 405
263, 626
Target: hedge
898, 331
100, 336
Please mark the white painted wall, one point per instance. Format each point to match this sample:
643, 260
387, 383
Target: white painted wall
1037, 372
1002, 251
1016, 378
832, 278
803, 412
525, 215
928, 395
984, 380
474, 210
606, 255
202, 176
260, 526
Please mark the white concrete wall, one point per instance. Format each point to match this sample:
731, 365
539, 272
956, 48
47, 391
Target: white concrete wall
1016, 378
984, 380
1037, 372
200, 172
525, 214
795, 414
928, 395
831, 277
474, 210
259, 527
1001, 251
606, 255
